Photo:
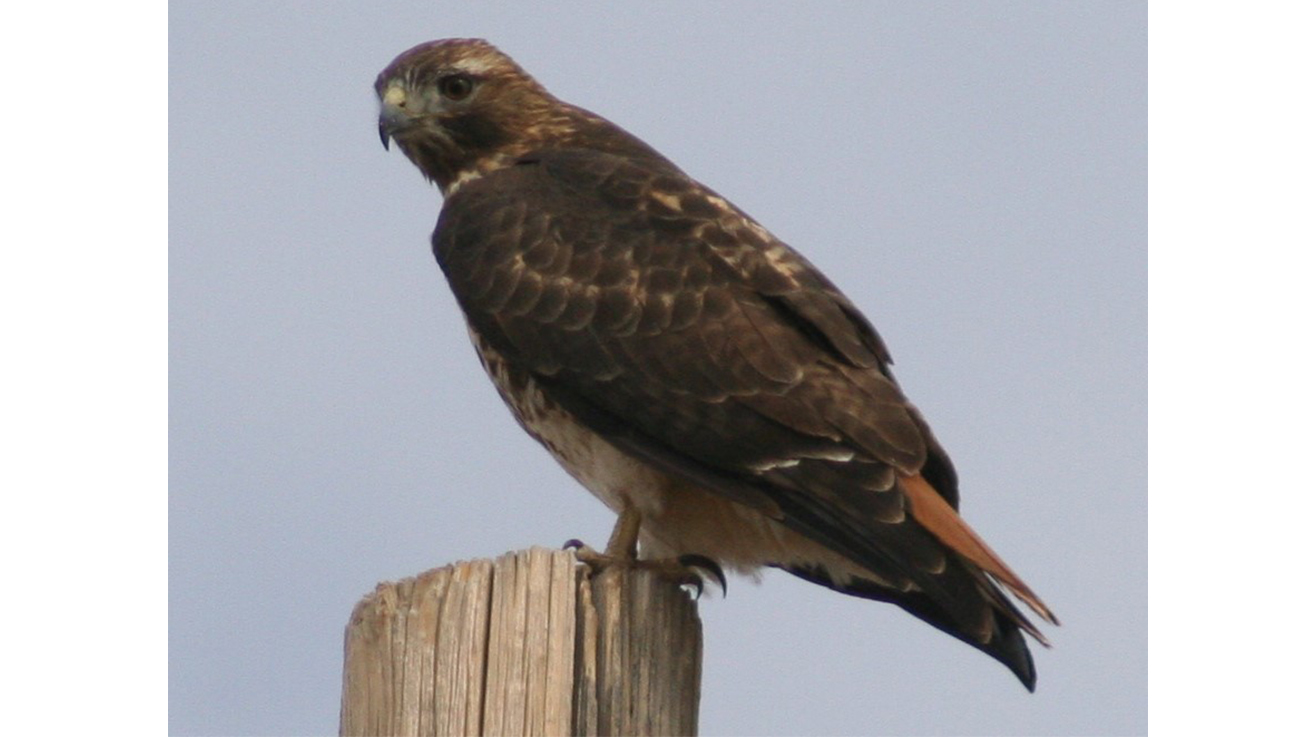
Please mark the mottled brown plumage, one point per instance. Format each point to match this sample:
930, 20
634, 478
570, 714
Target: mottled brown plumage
679, 360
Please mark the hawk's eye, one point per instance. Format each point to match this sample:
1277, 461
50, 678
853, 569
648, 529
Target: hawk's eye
456, 86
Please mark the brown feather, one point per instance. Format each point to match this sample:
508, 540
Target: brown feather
938, 518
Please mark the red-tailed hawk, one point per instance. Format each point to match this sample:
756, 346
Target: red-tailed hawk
696, 374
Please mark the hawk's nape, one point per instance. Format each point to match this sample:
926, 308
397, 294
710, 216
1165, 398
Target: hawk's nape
688, 368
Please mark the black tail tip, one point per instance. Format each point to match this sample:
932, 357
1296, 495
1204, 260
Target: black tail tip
1010, 649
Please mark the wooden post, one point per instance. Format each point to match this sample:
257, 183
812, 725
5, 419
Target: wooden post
527, 644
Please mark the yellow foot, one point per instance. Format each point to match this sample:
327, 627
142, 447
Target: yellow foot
684, 570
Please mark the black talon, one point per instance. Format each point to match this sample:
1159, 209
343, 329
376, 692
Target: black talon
573, 544
694, 560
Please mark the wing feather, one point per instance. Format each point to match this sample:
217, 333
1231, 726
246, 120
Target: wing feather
673, 325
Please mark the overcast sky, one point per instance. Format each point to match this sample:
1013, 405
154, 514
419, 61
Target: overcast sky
973, 175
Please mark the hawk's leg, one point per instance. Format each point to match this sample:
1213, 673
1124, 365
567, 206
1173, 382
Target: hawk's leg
623, 545
624, 542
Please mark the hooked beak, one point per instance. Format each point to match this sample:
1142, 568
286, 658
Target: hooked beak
392, 112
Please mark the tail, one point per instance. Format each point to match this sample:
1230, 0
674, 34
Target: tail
937, 517
970, 604
1005, 643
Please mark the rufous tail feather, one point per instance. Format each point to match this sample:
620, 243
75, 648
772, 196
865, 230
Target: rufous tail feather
940, 519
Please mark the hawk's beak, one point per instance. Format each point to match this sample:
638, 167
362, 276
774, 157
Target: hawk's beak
392, 112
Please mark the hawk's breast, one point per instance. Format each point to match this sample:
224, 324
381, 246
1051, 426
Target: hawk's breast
616, 478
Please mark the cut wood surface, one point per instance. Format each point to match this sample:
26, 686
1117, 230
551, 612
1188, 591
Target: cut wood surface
528, 644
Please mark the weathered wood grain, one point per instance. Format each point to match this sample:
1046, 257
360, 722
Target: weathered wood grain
527, 644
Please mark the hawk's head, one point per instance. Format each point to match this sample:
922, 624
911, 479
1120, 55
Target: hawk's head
460, 108
456, 107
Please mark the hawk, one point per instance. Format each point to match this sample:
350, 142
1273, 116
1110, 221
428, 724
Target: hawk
696, 374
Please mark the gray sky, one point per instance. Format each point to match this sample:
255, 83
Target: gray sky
972, 175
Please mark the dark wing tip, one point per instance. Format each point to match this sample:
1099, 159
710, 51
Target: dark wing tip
1007, 645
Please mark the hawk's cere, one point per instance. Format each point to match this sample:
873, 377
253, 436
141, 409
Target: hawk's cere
692, 371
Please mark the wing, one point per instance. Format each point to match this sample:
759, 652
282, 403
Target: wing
678, 328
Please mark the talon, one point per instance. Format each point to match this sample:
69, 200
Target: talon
694, 560
592, 558
696, 581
